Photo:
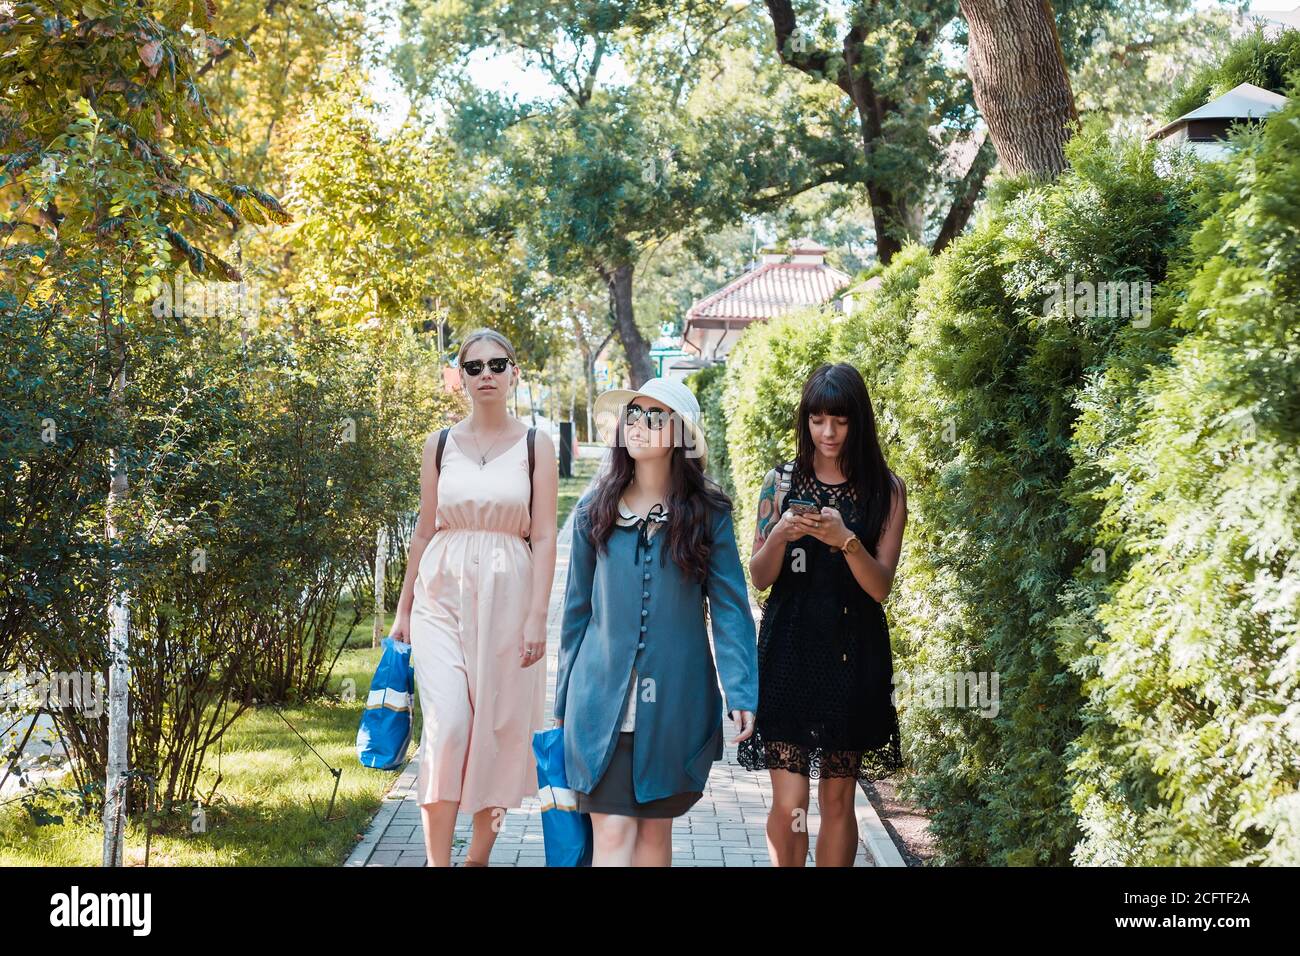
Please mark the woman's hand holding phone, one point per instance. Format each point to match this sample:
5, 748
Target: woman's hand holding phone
799, 518
789, 527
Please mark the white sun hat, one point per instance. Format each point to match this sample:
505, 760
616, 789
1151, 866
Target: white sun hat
611, 405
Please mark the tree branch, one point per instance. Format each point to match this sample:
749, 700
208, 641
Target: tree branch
552, 67
217, 58
965, 195
815, 63
590, 82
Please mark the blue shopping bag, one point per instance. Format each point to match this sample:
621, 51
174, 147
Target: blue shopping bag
386, 723
565, 832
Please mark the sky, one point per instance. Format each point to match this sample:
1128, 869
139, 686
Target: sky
490, 72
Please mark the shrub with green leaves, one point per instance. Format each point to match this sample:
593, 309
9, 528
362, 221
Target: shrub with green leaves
1191, 752
974, 360
708, 384
260, 471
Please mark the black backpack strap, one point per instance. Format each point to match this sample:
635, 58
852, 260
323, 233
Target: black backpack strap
442, 442
532, 457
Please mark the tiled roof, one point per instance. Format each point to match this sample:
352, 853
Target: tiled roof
772, 289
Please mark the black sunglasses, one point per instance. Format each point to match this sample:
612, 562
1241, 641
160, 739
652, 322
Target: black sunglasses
475, 366
655, 419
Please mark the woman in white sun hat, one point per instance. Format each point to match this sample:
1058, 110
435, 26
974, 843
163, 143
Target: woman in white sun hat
637, 686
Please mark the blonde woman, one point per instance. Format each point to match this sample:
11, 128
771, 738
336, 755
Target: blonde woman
474, 605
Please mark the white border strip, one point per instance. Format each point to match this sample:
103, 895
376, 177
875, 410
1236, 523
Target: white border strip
873, 833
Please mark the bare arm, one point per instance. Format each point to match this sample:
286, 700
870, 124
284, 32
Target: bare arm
771, 534
425, 526
876, 575
542, 534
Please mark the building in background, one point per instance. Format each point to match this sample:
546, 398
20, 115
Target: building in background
782, 281
669, 358
1205, 129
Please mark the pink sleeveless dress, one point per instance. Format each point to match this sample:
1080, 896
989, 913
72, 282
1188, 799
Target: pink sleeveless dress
472, 594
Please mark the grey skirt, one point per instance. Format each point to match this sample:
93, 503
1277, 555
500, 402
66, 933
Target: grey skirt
613, 792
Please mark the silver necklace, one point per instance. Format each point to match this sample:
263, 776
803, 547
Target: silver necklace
482, 458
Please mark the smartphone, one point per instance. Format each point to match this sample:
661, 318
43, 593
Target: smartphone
802, 506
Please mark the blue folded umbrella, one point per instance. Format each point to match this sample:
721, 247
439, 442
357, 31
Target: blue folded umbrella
386, 723
565, 832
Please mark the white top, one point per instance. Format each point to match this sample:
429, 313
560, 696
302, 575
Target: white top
629, 711
626, 516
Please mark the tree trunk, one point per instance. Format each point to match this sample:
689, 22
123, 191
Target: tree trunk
894, 220
381, 536
381, 571
1020, 81
590, 376
635, 347
119, 636
896, 216
885, 219
589, 356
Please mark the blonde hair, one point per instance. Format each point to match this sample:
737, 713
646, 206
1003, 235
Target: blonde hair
491, 335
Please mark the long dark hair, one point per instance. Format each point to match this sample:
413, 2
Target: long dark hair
839, 390
692, 496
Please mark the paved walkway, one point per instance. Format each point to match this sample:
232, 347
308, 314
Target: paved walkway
726, 828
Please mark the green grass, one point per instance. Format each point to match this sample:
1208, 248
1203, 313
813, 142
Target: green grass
260, 814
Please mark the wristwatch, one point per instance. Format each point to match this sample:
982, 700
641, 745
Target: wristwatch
851, 545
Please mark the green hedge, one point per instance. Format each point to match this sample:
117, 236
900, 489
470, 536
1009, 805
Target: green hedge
976, 379
1191, 752
707, 384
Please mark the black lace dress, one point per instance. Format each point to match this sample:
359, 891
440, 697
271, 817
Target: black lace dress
825, 671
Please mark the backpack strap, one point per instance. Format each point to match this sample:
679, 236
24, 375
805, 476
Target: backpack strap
783, 484
532, 458
442, 443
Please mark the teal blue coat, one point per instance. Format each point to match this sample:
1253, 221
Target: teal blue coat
623, 610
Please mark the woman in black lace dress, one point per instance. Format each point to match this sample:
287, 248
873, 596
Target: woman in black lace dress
825, 668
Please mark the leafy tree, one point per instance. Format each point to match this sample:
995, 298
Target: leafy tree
1137, 53
912, 108
108, 175
301, 47
379, 239
898, 65
656, 124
